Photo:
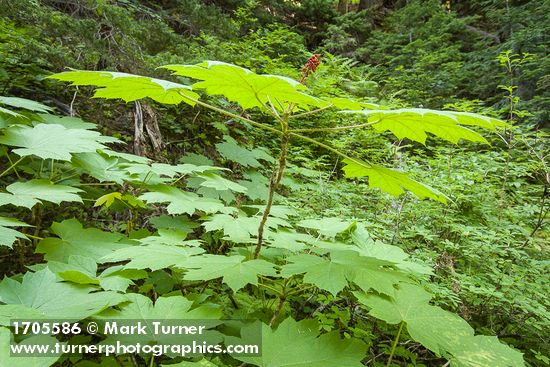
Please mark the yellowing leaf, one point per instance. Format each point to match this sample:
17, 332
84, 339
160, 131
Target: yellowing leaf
108, 199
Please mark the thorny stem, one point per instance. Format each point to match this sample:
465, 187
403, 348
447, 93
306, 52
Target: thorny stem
337, 128
276, 178
394, 345
282, 299
328, 147
234, 115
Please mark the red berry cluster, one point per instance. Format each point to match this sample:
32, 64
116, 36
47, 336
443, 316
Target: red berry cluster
310, 66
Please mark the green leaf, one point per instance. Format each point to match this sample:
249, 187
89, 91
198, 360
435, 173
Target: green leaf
241, 228
102, 167
435, 328
180, 222
415, 123
157, 173
129, 87
332, 274
181, 202
297, 344
236, 272
29, 193
174, 310
42, 292
11, 113
69, 122
288, 240
26, 104
7, 235
231, 150
75, 240
484, 351
50, 141
329, 227
321, 272
219, 183
245, 87
390, 181
7, 360
154, 256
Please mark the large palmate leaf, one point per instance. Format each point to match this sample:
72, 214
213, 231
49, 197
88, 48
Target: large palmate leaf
297, 344
484, 351
443, 332
415, 123
329, 227
46, 296
102, 167
154, 256
332, 274
8, 360
24, 103
390, 181
129, 87
51, 141
83, 270
218, 183
8, 235
31, 192
231, 150
241, 228
181, 202
76, 240
70, 122
432, 326
174, 310
245, 87
235, 270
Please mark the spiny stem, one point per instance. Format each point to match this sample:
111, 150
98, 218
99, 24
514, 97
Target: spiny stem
278, 310
327, 147
311, 112
276, 178
394, 345
282, 299
230, 114
337, 128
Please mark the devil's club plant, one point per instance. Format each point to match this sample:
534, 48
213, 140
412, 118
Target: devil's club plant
255, 257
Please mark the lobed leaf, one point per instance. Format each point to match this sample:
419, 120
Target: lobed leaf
29, 193
51, 141
297, 344
390, 181
415, 123
129, 87
245, 87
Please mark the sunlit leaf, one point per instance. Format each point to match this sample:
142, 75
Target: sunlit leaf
129, 87
245, 87
390, 181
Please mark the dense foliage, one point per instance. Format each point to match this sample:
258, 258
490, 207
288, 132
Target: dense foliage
272, 191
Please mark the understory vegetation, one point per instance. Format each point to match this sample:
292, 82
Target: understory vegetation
362, 183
